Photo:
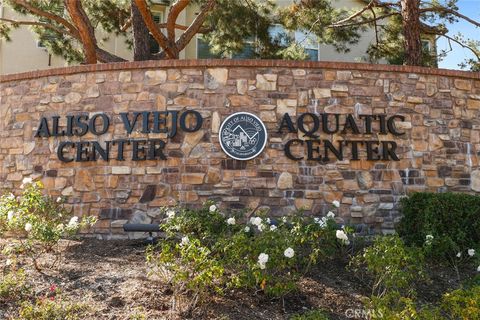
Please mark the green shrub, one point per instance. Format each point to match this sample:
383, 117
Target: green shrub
389, 265
189, 267
310, 315
52, 309
462, 303
37, 218
13, 286
394, 306
206, 250
451, 220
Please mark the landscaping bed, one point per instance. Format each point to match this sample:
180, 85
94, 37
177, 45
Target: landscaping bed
111, 278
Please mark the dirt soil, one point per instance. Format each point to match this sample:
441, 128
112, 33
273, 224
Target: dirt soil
112, 278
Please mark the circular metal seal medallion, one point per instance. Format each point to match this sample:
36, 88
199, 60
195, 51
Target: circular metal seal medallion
243, 136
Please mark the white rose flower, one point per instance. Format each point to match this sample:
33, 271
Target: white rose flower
256, 221
289, 253
25, 181
341, 235
10, 215
273, 227
321, 222
73, 222
330, 215
336, 203
268, 220
471, 252
170, 214
28, 227
185, 241
459, 255
213, 208
247, 229
262, 260
261, 227
231, 221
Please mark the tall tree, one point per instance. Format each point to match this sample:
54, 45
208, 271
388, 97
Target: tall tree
399, 25
68, 27
141, 35
411, 32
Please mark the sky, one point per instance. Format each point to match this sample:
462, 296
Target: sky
471, 9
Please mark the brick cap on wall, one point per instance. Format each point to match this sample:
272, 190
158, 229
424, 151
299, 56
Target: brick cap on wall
218, 63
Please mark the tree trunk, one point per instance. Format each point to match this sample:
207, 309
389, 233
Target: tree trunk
85, 29
141, 36
154, 29
411, 32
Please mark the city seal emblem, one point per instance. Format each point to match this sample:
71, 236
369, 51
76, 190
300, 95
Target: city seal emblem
243, 136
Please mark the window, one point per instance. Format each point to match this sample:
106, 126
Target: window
203, 50
248, 51
304, 39
309, 43
426, 46
277, 33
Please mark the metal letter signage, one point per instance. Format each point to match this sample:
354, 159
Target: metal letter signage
243, 136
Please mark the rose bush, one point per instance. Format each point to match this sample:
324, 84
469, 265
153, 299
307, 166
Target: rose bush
207, 250
39, 221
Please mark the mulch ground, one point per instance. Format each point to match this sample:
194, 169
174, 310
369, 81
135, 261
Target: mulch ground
111, 277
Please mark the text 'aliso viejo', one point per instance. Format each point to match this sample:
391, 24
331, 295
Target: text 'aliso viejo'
166, 122
310, 125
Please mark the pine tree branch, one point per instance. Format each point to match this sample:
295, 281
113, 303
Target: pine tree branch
462, 45
440, 9
85, 29
182, 27
335, 25
195, 26
36, 11
173, 14
154, 29
36, 23
126, 26
370, 5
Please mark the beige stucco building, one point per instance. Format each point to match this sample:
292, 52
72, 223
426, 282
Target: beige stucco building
25, 53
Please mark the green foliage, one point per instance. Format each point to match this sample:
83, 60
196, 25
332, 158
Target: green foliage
53, 308
391, 265
217, 252
40, 220
458, 304
56, 42
452, 219
188, 266
311, 315
238, 25
13, 285
394, 306
462, 303
316, 17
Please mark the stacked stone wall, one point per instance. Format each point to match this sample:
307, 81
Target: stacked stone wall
437, 152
